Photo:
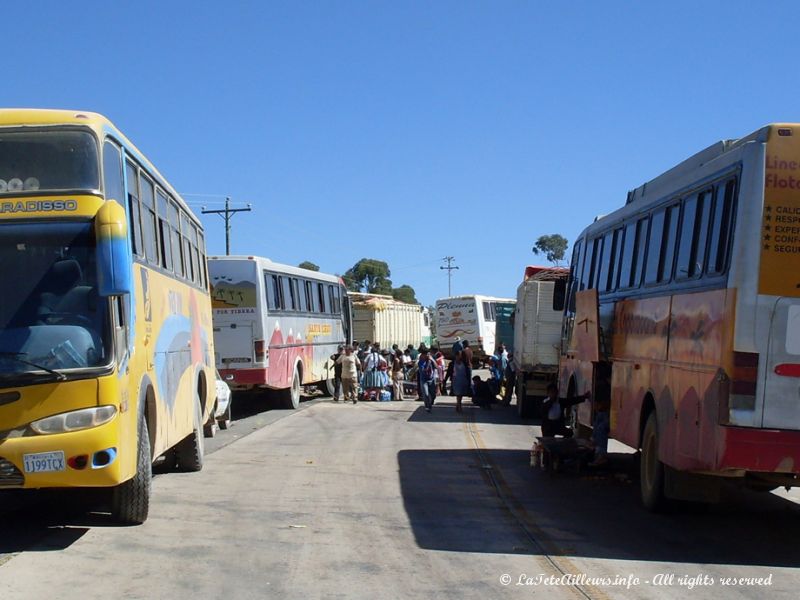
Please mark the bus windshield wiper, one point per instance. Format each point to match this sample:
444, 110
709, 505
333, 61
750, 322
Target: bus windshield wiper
16, 356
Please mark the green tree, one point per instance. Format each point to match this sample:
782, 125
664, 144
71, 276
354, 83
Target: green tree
369, 275
553, 247
405, 293
308, 265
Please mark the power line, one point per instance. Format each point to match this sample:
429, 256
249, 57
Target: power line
227, 214
449, 268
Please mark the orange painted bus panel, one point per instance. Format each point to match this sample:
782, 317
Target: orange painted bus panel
642, 329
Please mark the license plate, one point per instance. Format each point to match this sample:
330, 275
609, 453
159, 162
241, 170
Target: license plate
43, 462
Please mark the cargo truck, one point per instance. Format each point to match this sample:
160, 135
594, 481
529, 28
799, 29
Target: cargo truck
537, 335
383, 319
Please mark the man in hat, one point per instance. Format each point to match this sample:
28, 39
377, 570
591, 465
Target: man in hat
350, 367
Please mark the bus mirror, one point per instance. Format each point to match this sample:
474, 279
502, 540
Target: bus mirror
114, 261
559, 294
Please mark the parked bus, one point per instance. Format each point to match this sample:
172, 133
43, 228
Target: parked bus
105, 332
469, 318
690, 295
276, 326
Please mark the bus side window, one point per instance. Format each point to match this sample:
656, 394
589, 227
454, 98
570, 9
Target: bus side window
721, 227
132, 177
638, 252
666, 262
597, 254
626, 260
164, 230
112, 172
486, 311
149, 231
175, 236
654, 247
332, 299
321, 297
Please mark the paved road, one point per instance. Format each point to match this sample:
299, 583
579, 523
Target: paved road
385, 501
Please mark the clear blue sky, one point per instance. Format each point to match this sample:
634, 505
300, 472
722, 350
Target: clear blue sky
407, 131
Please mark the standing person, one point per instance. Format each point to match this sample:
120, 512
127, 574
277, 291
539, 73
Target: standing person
350, 367
601, 424
511, 382
553, 408
458, 346
461, 379
337, 373
440, 372
364, 350
426, 378
412, 352
374, 371
397, 374
468, 357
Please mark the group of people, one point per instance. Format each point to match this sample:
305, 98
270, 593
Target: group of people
373, 369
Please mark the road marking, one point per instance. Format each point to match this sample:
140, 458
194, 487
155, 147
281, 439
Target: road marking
551, 555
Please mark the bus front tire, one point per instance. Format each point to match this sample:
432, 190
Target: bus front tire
191, 449
130, 500
651, 469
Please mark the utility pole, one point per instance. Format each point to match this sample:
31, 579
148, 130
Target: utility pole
449, 268
226, 214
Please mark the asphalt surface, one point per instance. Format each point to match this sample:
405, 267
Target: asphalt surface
383, 500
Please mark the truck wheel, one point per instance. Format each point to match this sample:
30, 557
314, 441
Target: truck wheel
525, 405
651, 470
290, 398
327, 387
130, 500
191, 449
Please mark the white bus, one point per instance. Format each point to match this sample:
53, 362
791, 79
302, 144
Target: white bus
469, 318
276, 326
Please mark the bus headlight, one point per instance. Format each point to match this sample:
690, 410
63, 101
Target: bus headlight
75, 420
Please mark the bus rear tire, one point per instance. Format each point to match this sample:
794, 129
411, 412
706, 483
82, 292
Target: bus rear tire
190, 451
290, 398
651, 469
130, 500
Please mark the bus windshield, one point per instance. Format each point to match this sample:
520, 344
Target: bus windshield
47, 160
50, 314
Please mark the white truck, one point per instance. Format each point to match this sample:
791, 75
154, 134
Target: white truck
537, 335
383, 319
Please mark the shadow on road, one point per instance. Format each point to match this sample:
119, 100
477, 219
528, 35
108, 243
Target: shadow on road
444, 411
492, 501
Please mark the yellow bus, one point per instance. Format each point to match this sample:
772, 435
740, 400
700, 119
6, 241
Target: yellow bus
689, 295
106, 355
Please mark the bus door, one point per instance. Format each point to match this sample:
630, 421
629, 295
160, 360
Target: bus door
782, 383
347, 319
586, 345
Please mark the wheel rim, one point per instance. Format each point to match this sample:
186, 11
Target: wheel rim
296, 389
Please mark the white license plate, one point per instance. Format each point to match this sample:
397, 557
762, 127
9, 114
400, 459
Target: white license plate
43, 462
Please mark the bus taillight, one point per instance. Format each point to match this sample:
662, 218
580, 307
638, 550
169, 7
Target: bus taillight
259, 350
788, 370
744, 380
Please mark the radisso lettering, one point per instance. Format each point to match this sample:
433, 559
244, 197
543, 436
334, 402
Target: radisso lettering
38, 206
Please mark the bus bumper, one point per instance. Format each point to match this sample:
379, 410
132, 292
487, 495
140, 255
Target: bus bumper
239, 379
96, 449
760, 450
